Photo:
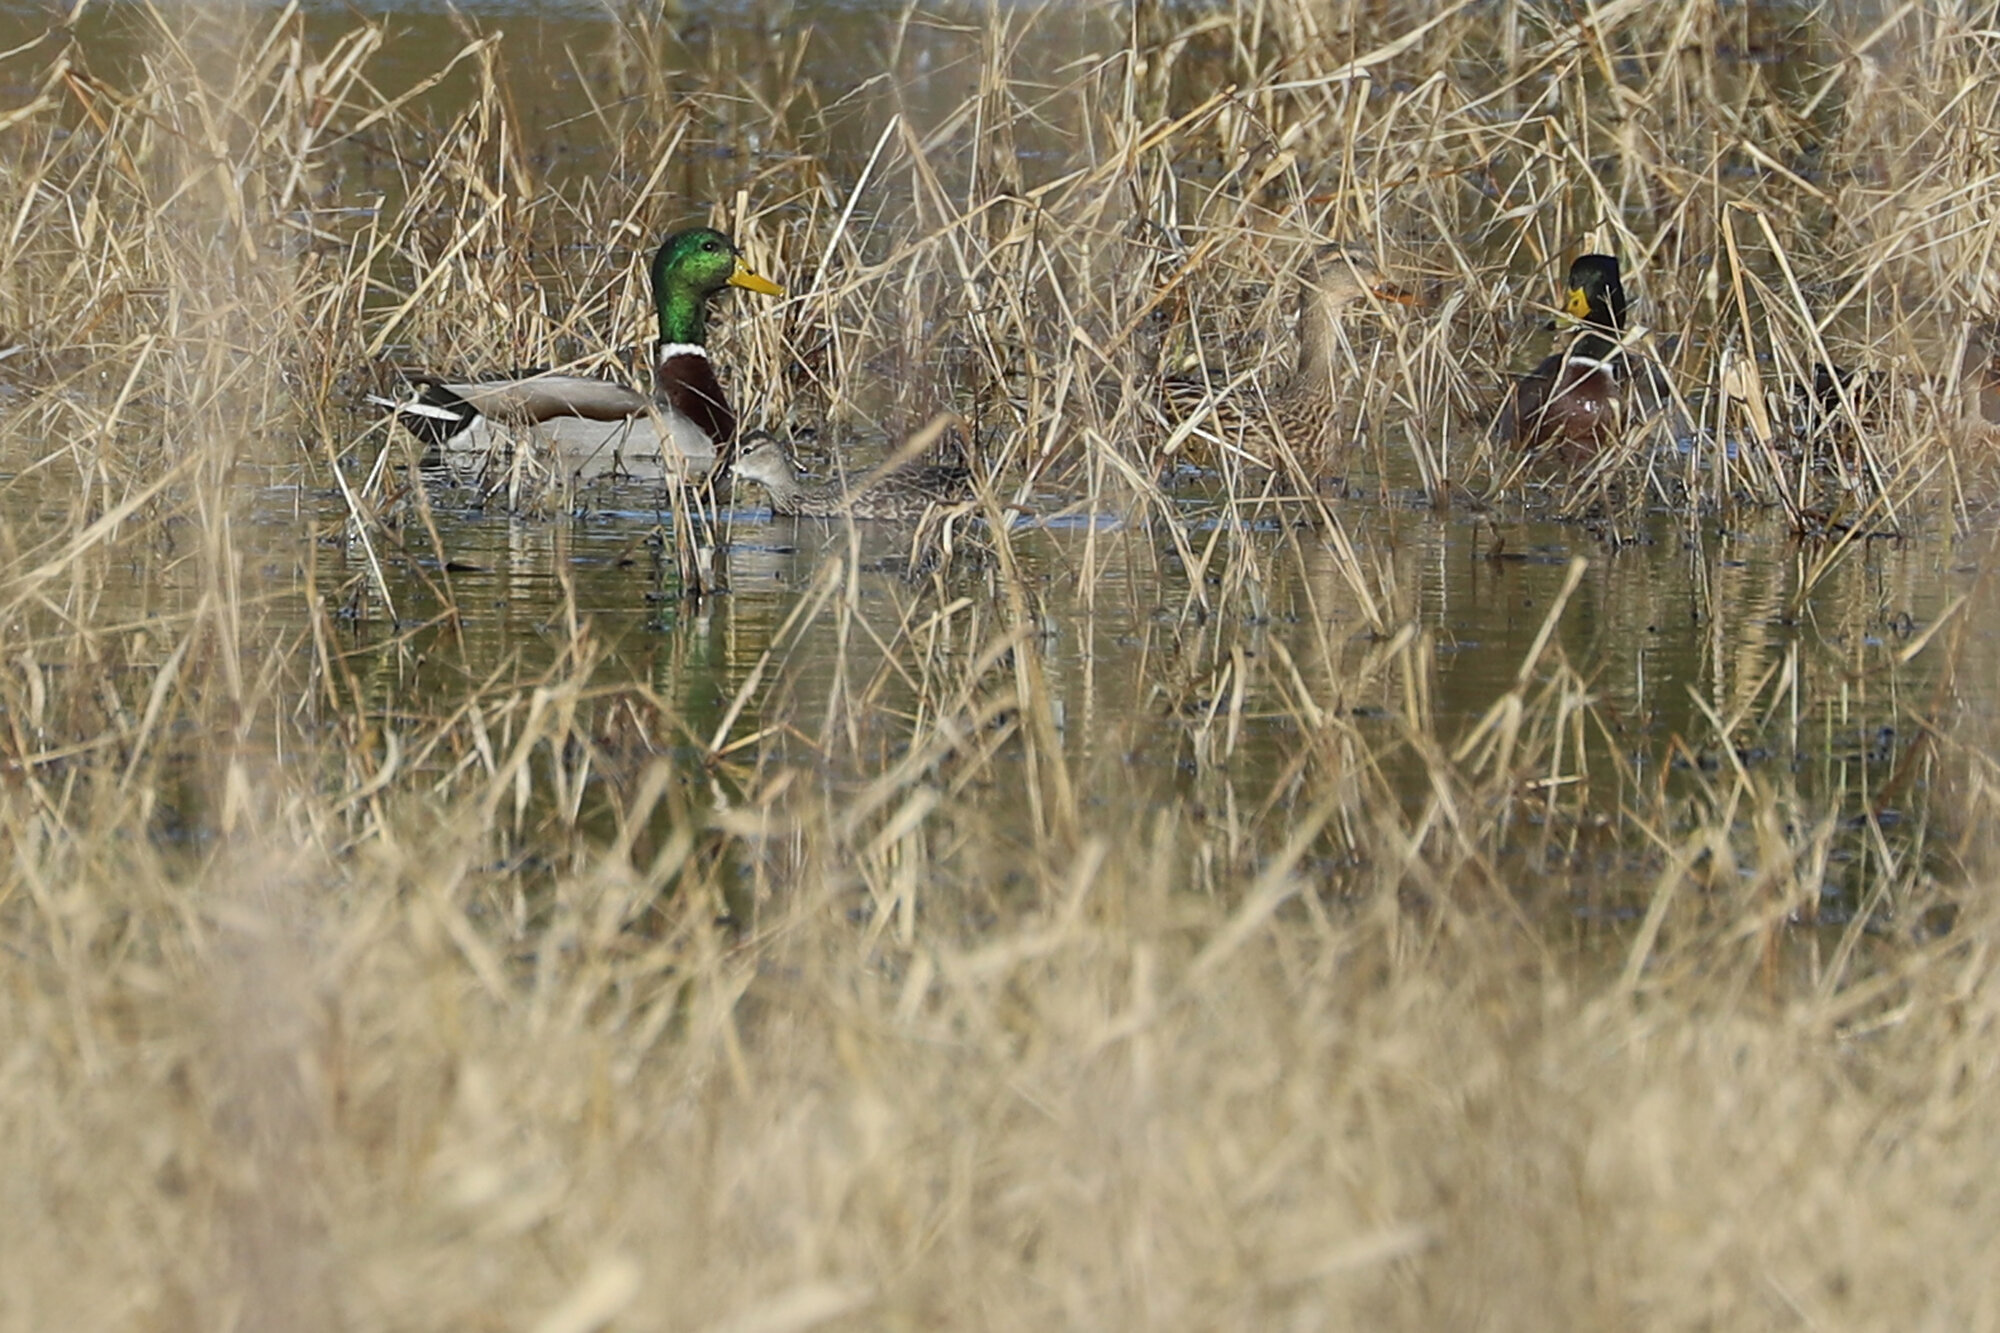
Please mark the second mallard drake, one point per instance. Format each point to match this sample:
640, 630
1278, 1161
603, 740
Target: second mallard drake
1581, 396
898, 495
1302, 412
594, 426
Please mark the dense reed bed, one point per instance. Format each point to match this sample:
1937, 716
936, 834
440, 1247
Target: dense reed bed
364, 972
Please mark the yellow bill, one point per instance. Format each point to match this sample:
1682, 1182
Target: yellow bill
751, 281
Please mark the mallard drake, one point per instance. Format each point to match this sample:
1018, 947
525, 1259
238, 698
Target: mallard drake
893, 495
1579, 397
597, 426
1303, 411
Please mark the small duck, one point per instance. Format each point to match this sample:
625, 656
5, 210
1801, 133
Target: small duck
1821, 408
1303, 411
898, 495
1871, 392
595, 426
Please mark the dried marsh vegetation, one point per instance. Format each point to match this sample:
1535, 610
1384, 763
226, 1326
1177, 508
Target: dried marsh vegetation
1107, 924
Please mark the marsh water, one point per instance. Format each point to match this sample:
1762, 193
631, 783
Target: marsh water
1703, 641
1696, 649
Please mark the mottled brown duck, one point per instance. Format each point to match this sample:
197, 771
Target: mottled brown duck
899, 495
1979, 373
1303, 412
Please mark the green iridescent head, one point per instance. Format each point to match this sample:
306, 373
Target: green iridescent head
692, 266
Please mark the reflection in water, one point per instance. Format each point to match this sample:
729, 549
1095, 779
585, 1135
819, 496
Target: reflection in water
1159, 707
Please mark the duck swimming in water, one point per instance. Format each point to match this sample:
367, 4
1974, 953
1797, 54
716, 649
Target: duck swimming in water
684, 427
893, 496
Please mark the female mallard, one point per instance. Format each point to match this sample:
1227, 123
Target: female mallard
1303, 412
1578, 399
598, 426
898, 494
1979, 373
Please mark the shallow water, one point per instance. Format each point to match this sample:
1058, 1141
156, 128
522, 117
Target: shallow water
1161, 705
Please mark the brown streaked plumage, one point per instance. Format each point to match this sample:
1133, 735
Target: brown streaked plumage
900, 494
1303, 411
1979, 373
